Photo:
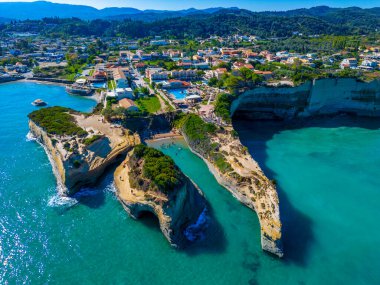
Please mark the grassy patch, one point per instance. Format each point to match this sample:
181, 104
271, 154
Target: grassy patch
111, 84
90, 140
150, 104
56, 121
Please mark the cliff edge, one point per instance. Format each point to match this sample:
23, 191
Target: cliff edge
149, 181
329, 96
80, 147
234, 168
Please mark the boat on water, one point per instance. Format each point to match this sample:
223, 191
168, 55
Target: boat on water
39, 103
80, 87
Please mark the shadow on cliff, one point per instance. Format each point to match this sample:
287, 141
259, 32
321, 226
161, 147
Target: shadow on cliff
297, 227
214, 242
95, 197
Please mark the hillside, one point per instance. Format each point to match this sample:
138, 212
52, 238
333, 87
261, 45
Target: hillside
44, 9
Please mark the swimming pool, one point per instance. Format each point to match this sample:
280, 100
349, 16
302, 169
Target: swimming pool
99, 85
178, 94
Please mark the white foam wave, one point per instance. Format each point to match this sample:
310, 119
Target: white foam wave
62, 201
110, 188
30, 137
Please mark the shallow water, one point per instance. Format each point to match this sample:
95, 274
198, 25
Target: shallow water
331, 231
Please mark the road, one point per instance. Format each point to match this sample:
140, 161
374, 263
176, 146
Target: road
139, 81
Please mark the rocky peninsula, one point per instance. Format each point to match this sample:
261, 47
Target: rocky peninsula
80, 147
149, 181
234, 168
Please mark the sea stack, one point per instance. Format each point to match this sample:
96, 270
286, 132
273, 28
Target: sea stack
149, 181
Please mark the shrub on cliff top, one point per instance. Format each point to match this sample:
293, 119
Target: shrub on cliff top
195, 128
90, 140
56, 121
158, 167
223, 106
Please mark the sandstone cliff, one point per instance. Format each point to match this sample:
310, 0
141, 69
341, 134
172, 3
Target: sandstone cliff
234, 168
319, 97
80, 160
181, 210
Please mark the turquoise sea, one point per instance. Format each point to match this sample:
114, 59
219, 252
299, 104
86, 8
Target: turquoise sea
329, 190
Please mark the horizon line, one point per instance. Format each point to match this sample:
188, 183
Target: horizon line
190, 8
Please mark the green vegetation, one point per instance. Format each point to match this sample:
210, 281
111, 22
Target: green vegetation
150, 104
315, 21
90, 140
242, 78
157, 167
195, 128
56, 121
223, 106
198, 134
168, 64
111, 84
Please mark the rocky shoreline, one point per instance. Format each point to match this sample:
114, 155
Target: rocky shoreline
84, 165
271, 227
178, 210
79, 161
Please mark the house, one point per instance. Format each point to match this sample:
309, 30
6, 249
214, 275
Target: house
174, 54
123, 53
368, 64
124, 93
140, 66
119, 78
184, 74
202, 65
129, 105
238, 65
174, 84
158, 43
266, 74
349, 63
156, 74
100, 75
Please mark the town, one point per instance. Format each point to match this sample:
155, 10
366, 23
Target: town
155, 74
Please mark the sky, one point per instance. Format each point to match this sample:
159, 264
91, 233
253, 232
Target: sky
260, 5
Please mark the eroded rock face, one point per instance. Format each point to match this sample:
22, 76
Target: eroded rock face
77, 163
313, 98
247, 183
181, 212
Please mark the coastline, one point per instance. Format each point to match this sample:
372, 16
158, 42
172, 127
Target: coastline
95, 96
269, 242
165, 136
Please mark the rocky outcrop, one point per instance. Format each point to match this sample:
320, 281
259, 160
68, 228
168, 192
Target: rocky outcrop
318, 97
235, 169
181, 211
80, 161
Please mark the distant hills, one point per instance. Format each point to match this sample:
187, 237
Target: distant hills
63, 19
43, 9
